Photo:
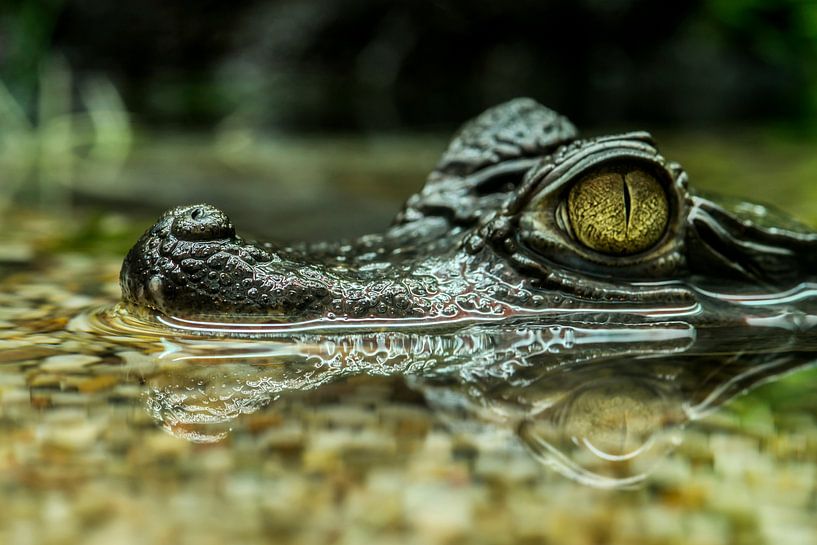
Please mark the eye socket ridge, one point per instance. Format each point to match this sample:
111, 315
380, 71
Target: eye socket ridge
545, 232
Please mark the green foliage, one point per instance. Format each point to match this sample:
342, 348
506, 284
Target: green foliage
781, 32
99, 234
27, 27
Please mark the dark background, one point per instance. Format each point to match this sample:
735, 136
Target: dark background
312, 119
358, 65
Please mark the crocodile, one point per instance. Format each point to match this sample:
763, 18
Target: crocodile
519, 217
573, 293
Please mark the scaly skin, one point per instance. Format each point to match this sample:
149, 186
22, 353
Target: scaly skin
485, 237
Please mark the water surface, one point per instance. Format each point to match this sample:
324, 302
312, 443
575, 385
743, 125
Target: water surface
118, 428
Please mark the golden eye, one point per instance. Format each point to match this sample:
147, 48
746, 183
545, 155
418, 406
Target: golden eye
618, 213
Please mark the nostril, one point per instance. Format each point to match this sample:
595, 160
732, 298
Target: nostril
201, 222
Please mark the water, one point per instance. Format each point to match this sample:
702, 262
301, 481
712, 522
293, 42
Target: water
118, 426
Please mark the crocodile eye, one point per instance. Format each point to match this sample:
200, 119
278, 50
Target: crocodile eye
618, 212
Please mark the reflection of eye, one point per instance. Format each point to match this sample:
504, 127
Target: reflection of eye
618, 213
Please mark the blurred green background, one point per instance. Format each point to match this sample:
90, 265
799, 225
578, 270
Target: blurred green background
280, 109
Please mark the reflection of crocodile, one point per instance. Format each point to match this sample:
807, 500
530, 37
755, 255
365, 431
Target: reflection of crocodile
601, 403
519, 215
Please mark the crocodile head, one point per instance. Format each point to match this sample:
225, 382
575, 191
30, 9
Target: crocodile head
520, 216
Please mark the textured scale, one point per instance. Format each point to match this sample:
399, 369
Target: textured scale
487, 237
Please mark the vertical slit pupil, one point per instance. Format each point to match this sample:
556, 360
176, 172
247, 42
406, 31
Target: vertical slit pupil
627, 203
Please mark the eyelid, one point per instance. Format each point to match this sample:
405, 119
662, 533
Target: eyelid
543, 230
